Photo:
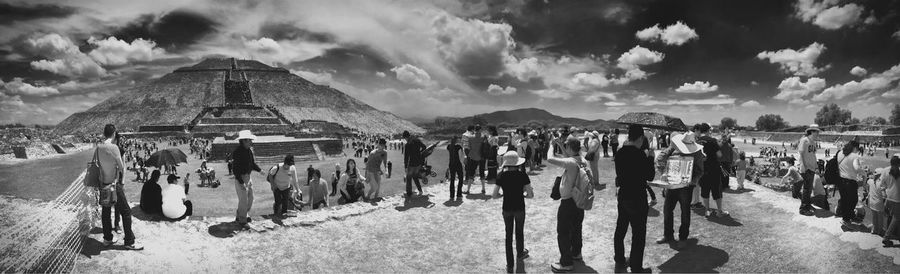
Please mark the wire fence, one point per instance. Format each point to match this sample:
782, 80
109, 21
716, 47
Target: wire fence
50, 240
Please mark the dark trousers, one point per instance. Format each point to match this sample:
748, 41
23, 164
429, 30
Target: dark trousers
726, 166
614, 147
806, 186
282, 200
605, 150
568, 231
683, 197
412, 174
849, 198
515, 221
650, 191
456, 172
632, 212
472, 166
123, 209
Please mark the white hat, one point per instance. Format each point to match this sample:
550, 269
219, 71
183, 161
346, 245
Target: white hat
511, 158
686, 143
813, 127
246, 134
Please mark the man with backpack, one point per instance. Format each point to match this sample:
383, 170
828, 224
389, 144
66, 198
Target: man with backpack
576, 195
634, 167
808, 164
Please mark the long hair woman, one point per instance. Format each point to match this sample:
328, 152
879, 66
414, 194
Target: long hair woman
350, 185
890, 185
850, 169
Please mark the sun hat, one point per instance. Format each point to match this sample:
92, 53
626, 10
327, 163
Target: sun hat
512, 158
596, 134
686, 143
246, 134
173, 177
813, 127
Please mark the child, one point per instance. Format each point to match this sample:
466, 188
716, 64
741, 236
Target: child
741, 170
876, 204
820, 196
792, 176
318, 191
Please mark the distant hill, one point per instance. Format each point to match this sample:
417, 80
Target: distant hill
530, 117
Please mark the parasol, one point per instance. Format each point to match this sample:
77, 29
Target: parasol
652, 120
169, 156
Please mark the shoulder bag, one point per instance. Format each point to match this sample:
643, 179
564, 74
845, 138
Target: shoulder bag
93, 175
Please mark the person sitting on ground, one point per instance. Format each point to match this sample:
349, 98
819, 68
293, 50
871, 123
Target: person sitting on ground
792, 176
151, 195
206, 174
350, 185
516, 187
318, 191
175, 204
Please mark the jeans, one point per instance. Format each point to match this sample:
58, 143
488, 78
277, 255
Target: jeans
412, 174
514, 219
849, 198
568, 231
122, 208
282, 200
456, 172
806, 185
244, 189
632, 212
683, 197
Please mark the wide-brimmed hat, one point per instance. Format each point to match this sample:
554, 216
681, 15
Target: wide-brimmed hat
246, 134
173, 177
813, 127
686, 143
511, 158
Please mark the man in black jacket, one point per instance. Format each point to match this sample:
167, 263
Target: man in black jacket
412, 161
244, 163
633, 169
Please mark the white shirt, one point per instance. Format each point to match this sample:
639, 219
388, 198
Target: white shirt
285, 176
849, 166
173, 201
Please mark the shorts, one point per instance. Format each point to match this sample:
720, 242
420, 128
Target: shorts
711, 184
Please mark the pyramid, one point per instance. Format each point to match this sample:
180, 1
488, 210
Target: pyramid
219, 96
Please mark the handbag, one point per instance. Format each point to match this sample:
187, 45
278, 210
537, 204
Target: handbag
590, 156
108, 196
93, 175
555, 194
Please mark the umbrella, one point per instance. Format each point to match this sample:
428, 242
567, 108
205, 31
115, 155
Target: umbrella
169, 156
652, 120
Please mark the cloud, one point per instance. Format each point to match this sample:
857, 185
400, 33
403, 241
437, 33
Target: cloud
380, 74
524, 69
614, 104
828, 15
751, 104
498, 90
18, 87
473, 47
800, 63
858, 71
323, 78
412, 75
892, 94
896, 35
632, 60
792, 89
754, 83
114, 52
552, 94
874, 82
598, 96
64, 57
721, 99
595, 80
697, 87
676, 34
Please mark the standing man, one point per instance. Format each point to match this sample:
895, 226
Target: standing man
377, 159
112, 169
569, 216
727, 160
455, 168
475, 159
710, 182
683, 145
244, 163
634, 168
412, 161
808, 165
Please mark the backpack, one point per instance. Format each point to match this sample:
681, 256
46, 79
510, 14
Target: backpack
270, 177
583, 191
832, 171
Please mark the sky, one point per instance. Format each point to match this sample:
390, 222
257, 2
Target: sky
700, 60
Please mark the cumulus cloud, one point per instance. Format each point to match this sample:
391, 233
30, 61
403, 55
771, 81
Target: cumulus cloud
114, 52
474, 47
380, 74
676, 34
858, 71
552, 94
64, 57
632, 60
498, 90
892, 94
598, 96
829, 15
321, 78
614, 104
697, 87
412, 75
18, 87
751, 104
524, 69
279, 52
721, 99
793, 89
896, 35
596, 80
797, 62
874, 82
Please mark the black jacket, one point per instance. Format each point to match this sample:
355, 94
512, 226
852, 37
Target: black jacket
412, 154
244, 162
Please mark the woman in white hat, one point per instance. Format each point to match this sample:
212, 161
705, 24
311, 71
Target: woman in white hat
683, 145
516, 187
593, 154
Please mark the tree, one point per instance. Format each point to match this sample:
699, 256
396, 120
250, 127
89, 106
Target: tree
874, 120
770, 122
895, 115
832, 114
728, 122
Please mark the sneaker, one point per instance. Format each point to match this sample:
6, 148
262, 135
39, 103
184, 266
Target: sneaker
578, 257
722, 213
524, 254
556, 267
665, 240
641, 270
134, 247
117, 230
482, 192
846, 222
709, 213
110, 242
653, 202
697, 206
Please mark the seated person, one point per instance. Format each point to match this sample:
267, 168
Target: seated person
151, 195
175, 204
207, 175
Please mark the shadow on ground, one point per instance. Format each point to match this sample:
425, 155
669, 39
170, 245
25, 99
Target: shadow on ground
453, 203
478, 196
726, 221
735, 191
415, 201
695, 258
225, 229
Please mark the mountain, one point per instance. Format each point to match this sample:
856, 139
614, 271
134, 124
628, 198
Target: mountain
514, 118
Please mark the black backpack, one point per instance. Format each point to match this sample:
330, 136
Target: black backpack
832, 171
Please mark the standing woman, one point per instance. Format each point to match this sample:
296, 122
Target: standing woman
493, 140
335, 177
455, 169
350, 185
516, 187
890, 185
605, 144
614, 142
593, 155
850, 169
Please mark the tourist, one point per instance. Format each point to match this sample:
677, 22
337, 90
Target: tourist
890, 185
683, 145
710, 182
875, 204
522, 149
475, 159
605, 144
112, 169
175, 205
455, 167
335, 177
808, 164
614, 142
645, 147
350, 184
412, 161
151, 195
634, 167
284, 181
569, 216
741, 170
377, 159
850, 169
516, 187
244, 164
593, 154
792, 176
390, 167
493, 141
318, 191
727, 160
